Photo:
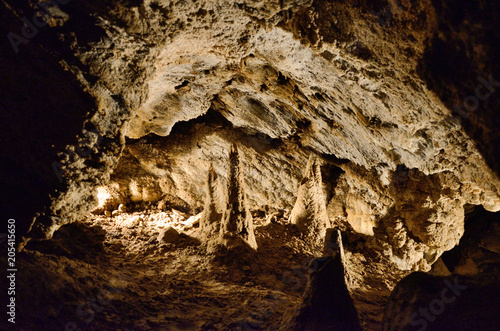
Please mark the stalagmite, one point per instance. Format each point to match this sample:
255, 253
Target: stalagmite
127, 102
211, 217
309, 212
327, 304
333, 243
237, 222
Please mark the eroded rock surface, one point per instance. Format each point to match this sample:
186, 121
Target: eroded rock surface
460, 290
309, 212
129, 103
237, 221
327, 304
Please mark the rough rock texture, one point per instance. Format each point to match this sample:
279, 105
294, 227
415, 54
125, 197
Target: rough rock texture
327, 304
397, 100
176, 84
309, 212
463, 299
211, 217
237, 221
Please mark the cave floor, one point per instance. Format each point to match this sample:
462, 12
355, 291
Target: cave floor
112, 273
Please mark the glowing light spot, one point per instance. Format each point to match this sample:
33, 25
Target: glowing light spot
102, 195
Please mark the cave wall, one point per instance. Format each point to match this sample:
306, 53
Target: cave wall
145, 95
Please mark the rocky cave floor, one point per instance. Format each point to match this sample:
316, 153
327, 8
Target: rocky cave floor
119, 273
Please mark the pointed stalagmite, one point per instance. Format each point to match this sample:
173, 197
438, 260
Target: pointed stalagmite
237, 222
211, 217
309, 212
333, 243
326, 304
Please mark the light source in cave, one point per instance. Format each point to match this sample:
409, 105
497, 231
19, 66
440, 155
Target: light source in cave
140, 216
103, 196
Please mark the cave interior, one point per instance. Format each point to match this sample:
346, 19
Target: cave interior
250, 165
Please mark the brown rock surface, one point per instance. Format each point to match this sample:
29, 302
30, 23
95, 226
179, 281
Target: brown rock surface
237, 221
391, 106
326, 304
309, 212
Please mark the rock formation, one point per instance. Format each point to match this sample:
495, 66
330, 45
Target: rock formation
165, 90
210, 221
333, 243
327, 304
391, 106
237, 223
309, 212
460, 291
284, 90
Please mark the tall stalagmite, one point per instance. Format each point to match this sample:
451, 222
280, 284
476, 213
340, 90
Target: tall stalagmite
211, 217
309, 212
326, 304
237, 222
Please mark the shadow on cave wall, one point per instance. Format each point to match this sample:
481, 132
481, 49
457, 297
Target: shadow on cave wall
467, 48
42, 105
466, 298
479, 249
